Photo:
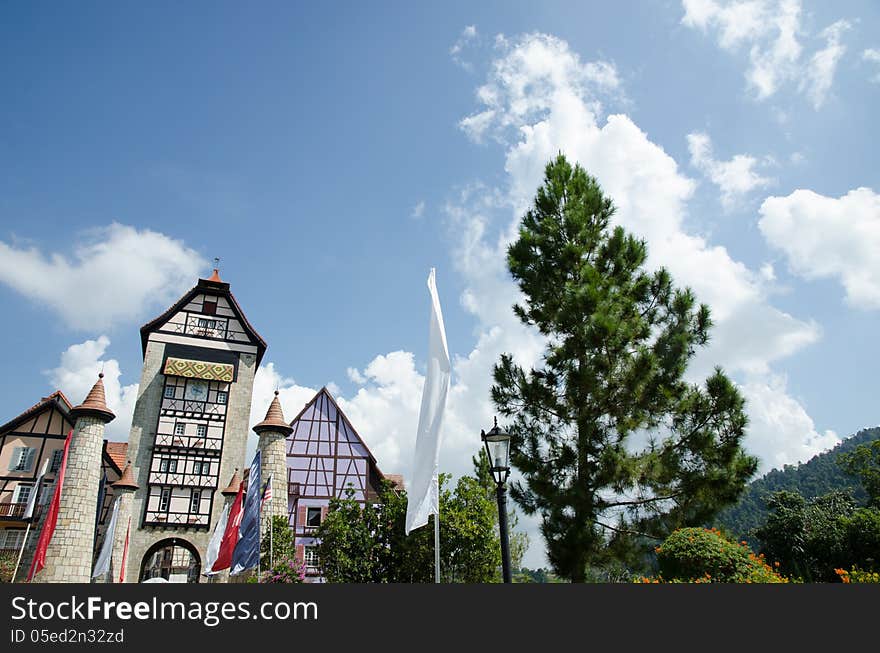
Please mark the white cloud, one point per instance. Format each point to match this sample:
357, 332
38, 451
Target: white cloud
734, 178
540, 99
823, 237
114, 276
773, 410
771, 32
820, 71
468, 35
77, 372
418, 210
872, 55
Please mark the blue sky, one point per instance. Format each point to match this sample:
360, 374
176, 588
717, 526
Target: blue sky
331, 155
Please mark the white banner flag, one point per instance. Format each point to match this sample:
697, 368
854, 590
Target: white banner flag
214, 544
423, 494
102, 566
35, 491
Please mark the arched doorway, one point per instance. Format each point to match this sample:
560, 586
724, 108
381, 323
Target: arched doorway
173, 559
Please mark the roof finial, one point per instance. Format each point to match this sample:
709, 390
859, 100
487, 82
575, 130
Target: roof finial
216, 275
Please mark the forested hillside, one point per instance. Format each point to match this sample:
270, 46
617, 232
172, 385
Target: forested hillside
818, 476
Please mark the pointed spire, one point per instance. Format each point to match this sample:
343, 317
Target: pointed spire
274, 419
126, 481
95, 404
232, 488
215, 277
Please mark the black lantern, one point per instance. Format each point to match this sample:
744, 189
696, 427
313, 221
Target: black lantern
497, 444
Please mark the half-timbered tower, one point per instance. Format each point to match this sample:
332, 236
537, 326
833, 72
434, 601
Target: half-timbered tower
190, 424
325, 458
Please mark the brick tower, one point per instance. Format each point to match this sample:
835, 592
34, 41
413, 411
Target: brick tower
69, 554
273, 432
190, 427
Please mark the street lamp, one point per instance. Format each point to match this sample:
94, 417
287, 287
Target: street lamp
498, 449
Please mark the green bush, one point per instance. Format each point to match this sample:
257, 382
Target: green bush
700, 555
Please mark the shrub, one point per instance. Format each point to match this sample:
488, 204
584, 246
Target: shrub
856, 575
700, 555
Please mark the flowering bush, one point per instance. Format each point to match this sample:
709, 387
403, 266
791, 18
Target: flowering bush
286, 570
856, 575
701, 555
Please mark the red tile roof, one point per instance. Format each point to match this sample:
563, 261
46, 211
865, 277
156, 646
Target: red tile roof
57, 396
117, 452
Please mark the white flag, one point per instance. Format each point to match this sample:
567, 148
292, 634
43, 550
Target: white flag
214, 544
32, 499
102, 565
423, 495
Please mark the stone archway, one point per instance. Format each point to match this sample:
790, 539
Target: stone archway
173, 559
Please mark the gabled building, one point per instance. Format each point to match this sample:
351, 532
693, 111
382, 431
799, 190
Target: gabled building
325, 458
27, 442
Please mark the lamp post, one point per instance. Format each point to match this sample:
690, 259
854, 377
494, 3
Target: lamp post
498, 449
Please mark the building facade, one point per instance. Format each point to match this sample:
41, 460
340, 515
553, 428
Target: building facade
325, 458
190, 426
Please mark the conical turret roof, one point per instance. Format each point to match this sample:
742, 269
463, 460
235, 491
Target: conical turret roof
126, 481
95, 404
232, 488
274, 419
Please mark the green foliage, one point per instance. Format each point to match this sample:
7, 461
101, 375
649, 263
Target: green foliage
863, 462
692, 555
856, 575
811, 538
7, 565
368, 544
620, 339
820, 475
283, 566
525, 575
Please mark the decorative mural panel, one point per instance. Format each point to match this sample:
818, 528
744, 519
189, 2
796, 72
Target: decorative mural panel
199, 370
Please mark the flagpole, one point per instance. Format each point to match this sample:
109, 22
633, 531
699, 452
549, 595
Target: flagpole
437, 547
21, 551
271, 544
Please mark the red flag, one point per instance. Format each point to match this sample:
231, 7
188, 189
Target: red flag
39, 560
230, 535
124, 553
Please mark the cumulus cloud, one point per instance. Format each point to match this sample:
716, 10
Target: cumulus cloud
418, 210
77, 372
771, 31
468, 36
825, 237
773, 410
115, 275
820, 72
734, 178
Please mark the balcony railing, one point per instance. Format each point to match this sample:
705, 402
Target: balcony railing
16, 510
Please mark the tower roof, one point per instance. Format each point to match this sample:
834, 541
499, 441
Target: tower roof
274, 419
232, 488
126, 481
218, 287
95, 403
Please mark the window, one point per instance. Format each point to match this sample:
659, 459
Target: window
313, 517
209, 307
22, 493
167, 465
221, 397
55, 465
207, 324
195, 501
201, 467
22, 459
11, 538
180, 428
169, 392
165, 499
310, 556
202, 430
46, 493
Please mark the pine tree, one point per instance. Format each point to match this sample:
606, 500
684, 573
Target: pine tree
614, 446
